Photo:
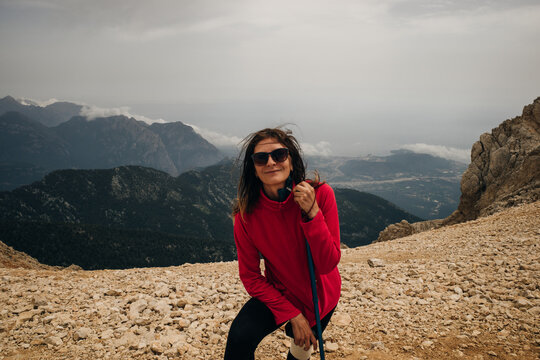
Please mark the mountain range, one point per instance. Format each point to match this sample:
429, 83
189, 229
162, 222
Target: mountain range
135, 216
37, 140
30, 149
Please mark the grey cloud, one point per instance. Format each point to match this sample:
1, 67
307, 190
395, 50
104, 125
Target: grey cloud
446, 152
133, 15
373, 73
42, 103
426, 8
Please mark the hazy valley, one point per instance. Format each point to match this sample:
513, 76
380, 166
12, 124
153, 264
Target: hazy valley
421, 184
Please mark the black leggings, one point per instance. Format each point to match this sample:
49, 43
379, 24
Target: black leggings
251, 325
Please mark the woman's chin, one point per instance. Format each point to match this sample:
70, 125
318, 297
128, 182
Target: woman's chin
275, 180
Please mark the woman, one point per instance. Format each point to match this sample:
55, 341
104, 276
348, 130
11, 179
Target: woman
277, 210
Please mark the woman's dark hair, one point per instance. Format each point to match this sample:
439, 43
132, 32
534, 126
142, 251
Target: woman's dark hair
249, 185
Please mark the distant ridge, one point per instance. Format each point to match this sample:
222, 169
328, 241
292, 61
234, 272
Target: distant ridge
50, 115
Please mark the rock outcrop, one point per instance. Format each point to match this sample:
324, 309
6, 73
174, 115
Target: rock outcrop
504, 169
467, 291
404, 228
504, 172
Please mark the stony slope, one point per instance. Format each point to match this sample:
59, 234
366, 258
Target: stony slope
11, 258
466, 291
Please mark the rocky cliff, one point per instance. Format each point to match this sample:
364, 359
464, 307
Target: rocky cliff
504, 172
467, 291
504, 169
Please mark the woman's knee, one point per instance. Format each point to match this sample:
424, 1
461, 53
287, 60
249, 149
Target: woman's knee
251, 325
240, 343
240, 336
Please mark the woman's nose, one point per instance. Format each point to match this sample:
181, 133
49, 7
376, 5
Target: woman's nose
270, 161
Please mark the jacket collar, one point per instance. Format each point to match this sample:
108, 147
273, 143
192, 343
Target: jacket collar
276, 205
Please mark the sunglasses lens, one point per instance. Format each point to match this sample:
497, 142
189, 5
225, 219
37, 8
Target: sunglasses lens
260, 158
280, 155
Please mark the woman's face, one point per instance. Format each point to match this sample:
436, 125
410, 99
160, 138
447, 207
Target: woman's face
273, 174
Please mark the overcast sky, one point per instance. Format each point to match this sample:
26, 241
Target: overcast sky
356, 77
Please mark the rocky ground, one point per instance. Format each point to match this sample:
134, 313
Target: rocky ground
467, 291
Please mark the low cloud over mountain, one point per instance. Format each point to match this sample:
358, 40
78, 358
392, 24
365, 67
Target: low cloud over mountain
445, 152
322, 148
220, 140
93, 112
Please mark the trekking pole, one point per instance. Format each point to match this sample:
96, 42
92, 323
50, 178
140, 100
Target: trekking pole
315, 299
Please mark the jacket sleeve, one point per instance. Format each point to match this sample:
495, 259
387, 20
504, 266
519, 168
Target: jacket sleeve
255, 283
322, 232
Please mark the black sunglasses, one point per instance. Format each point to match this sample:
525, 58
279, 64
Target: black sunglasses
278, 155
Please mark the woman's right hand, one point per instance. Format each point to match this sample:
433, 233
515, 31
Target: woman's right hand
303, 336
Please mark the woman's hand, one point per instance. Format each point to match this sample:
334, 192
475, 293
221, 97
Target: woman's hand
304, 196
303, 336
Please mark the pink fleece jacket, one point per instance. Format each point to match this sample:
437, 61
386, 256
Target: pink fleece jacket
276, 230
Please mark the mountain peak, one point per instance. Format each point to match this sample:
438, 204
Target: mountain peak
9, 99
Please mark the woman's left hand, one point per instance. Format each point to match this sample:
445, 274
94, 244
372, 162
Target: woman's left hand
303, 335
304, 196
